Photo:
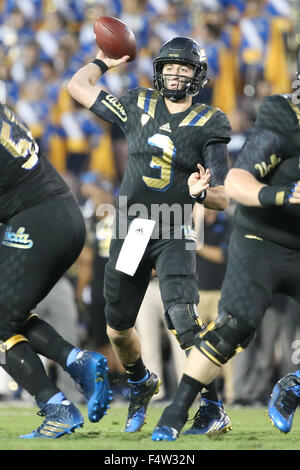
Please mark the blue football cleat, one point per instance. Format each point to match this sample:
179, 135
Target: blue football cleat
90, 372
211, 418
164, 433
139, 397
284, 401
61, 419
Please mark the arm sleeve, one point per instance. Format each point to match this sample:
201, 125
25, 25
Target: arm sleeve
216, 159
216, 135
216, 130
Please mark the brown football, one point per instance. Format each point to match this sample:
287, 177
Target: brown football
114, 38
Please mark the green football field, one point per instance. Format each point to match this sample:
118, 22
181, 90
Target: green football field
251, 430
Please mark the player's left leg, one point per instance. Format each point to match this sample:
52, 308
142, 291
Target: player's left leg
213, 347
179, 289
233, 329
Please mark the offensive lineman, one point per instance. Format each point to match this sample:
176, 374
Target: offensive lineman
168, 136
44, 234
263, 257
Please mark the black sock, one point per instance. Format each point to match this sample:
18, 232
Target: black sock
45, 340
26, 368
176, 414
210, 391
136, 371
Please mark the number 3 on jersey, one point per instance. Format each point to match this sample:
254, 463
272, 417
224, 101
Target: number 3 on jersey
163, 162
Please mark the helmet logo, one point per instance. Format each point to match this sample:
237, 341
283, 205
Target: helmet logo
202, 55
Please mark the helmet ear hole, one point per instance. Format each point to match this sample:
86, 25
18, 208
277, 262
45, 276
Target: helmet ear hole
181, 50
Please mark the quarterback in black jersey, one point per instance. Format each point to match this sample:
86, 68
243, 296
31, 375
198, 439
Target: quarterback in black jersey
43, 234
263, 258
171, 141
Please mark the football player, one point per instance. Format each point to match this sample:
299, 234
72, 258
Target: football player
44, 234
170, 139
263, 258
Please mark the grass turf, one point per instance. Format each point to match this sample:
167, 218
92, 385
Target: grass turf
252, 430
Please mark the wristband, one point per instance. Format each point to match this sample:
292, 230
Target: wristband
200, 198
275, 195
102, 65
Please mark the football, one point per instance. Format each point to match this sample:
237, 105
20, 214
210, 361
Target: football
114, 38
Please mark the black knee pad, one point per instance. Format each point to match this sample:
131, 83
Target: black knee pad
184, 322
223, 338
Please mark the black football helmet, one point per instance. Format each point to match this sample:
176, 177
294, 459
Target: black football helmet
181, 50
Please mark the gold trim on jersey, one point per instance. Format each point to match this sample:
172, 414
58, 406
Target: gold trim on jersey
253, 237
198, 116
147, 101
295, 109
115, 106
11, 342
31, 315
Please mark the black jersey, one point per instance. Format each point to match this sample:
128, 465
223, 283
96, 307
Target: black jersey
164, 148
26, 176
272, 154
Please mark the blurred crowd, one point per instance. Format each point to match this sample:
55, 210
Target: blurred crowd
250, 46
251, 51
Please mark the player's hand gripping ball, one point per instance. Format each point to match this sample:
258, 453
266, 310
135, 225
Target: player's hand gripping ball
114, 38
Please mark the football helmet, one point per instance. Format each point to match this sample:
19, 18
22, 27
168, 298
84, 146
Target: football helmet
181, 50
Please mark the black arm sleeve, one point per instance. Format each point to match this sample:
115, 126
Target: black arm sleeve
216, 159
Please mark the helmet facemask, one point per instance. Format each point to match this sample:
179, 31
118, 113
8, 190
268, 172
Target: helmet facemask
192, 84
183, 51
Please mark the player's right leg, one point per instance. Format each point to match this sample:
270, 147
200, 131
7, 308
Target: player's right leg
124, 295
